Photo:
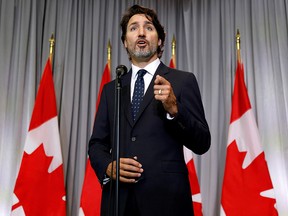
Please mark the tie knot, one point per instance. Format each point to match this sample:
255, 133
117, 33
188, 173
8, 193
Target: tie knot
141, 72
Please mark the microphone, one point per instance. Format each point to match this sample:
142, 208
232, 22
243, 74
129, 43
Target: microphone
121, 70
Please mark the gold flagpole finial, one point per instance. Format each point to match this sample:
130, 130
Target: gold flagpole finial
173, 50
238, 40
51, 47
238, 47
173, 45
109, 53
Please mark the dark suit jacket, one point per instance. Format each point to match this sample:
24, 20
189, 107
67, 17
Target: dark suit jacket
156, 141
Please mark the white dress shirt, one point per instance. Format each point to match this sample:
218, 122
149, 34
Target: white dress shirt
150, 68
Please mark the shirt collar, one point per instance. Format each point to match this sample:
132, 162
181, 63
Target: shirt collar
150, 68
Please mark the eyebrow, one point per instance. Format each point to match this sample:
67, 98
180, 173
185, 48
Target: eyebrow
146, 22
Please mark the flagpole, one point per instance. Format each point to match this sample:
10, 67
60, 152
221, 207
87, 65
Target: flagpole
173, 48
238, 47
51, 48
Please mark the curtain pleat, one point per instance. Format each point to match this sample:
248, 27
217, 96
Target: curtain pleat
205, 45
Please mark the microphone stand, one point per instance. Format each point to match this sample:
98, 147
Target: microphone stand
117, 135
121, 70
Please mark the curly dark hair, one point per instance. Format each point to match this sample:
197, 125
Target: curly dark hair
151, 16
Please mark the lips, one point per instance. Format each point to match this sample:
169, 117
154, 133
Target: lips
141, 42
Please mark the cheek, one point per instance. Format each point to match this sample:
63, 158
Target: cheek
128, 41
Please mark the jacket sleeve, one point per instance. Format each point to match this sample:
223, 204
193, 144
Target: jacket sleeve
190, 122
100, 144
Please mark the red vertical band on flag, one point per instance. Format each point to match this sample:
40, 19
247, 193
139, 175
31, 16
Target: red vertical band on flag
171, 64
240, 99
106, 77
90, 204
39, 188
195, 187
45, 99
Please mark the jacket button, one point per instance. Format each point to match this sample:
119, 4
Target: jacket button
133, 139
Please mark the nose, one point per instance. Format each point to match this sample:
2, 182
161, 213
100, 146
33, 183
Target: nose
142, 31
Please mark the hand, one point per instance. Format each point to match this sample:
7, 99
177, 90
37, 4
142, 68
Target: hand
163, 92
129, 170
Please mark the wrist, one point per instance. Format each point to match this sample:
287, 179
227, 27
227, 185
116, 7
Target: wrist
173, 110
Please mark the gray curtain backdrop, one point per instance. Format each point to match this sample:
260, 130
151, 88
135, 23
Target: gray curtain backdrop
205, 33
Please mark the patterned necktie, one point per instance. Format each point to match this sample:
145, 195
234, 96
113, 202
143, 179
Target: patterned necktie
138, 93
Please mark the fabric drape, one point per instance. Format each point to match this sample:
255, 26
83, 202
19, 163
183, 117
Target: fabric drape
205, 33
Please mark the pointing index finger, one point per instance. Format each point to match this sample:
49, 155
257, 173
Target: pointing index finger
160, 80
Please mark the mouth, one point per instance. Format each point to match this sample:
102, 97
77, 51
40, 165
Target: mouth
141, 43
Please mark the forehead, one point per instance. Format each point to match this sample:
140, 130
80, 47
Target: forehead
138, 18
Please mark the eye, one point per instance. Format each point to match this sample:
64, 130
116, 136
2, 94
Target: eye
133, 28
150, 28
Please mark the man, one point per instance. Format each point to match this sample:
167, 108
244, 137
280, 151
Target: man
153, 174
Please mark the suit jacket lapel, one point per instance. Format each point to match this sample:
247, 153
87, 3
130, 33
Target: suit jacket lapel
149, 95
126, 99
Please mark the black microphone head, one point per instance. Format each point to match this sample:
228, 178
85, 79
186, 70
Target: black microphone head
121, 70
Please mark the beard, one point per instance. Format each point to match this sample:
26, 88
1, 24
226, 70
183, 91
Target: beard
142, 53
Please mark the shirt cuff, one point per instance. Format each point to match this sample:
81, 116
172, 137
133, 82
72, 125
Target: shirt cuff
106, 179
169, 117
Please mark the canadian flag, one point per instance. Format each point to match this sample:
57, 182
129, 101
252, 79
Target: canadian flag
193, 179
90, 203
247, 188
39, 188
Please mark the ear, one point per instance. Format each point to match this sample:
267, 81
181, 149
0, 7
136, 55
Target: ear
125, 43
159, 42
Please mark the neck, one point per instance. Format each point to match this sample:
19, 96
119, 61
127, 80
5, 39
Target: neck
141, 63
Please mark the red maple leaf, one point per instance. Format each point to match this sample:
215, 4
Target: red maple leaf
242, 187
40, 192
